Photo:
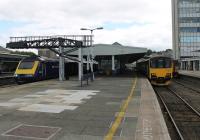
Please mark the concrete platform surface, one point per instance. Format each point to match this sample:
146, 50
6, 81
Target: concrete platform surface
53, 110
190, 73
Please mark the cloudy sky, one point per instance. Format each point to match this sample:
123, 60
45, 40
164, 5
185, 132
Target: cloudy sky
141, 23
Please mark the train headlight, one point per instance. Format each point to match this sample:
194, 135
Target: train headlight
15, 75
153, 76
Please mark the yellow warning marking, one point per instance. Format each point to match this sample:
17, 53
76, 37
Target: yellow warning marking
120, 115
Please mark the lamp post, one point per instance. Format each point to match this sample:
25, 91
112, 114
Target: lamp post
92, 53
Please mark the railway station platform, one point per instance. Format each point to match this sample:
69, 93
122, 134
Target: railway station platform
195, 74
118, 108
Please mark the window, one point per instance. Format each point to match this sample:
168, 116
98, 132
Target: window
189, 29
189, 20
160, 63
188, 39
26, 65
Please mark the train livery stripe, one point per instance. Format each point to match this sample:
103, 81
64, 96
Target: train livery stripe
28, 71
121, 114
160, 72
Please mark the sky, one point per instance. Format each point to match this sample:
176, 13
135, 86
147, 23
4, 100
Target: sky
140, 23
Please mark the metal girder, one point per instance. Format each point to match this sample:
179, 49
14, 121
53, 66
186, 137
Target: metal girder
69, 51
45, 42
55, 51
52, 42
64, 54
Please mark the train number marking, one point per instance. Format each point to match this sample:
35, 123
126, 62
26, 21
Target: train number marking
147, 130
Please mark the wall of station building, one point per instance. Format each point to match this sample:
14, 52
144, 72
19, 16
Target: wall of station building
186, 33
189, 27
190, 65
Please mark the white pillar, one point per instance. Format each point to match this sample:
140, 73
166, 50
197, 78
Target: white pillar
113, 62
80, 65
85, 43
189, 64
181, 67
194, 64
61, 65
88, 60
91, 56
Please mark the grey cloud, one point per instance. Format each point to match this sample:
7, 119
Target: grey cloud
68, 16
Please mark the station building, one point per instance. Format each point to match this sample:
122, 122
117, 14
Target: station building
109, 57
186, 33
114, 57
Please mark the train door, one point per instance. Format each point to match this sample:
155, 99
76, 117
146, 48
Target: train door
44, 72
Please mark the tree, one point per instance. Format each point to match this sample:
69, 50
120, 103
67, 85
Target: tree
149, 52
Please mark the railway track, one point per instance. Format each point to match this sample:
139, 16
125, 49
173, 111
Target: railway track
187, 85
185, 118
7, 81
188, 91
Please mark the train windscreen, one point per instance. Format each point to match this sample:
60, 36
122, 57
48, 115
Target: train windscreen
160, 63
26, 65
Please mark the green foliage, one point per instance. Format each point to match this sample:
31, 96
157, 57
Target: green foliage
24, 53
149, 52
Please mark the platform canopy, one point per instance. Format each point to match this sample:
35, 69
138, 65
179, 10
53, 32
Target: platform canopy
6, 55
127, 54
113, 49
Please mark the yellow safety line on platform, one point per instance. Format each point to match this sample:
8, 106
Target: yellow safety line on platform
121, 114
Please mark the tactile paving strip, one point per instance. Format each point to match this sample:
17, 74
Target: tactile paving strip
32, 131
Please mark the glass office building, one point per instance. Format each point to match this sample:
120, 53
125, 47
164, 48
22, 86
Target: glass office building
186, 32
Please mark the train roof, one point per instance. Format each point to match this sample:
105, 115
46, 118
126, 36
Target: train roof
146, 58
70, 59
38, 58
160, 56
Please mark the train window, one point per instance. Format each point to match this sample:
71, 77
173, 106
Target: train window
160, 63
167, 63
153, 63
26, 65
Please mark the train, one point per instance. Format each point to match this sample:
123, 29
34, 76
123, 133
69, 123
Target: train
158, 69
37, 68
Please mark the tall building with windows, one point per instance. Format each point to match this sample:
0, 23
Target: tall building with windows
186, 32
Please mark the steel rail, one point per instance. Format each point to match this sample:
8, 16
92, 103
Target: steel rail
170, 115
188, 105
186, 86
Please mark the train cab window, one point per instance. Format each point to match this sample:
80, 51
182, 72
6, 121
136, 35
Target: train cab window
26, 65
167, 63
153, 63
160, 63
